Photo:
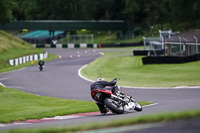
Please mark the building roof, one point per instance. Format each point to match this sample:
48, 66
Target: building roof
190, 36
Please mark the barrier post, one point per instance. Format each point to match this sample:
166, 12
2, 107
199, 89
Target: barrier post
99, 45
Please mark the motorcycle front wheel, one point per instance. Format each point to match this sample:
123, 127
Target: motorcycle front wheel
41, 68
138, 107
114, 106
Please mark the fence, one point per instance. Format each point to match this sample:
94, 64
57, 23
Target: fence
83, 45
170, 59
88, 38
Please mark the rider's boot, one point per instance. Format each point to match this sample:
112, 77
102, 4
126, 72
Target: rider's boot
104, 111
102, 108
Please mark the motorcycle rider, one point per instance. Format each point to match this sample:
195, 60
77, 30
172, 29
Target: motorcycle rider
41, 63
102, 84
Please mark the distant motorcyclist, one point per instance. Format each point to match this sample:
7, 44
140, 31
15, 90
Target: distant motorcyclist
41, 64
101, 84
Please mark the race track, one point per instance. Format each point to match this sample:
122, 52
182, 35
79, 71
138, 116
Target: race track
60, 79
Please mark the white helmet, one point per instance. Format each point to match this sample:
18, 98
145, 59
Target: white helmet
99, 78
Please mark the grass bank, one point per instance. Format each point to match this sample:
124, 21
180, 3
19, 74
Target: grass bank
164, 117
133, 73
13, 47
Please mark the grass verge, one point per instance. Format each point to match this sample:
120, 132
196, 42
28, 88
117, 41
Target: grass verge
164, 117
19, 106
133, 73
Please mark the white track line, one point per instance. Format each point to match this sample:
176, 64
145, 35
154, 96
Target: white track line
59, 56
62, 117
150, 105
3, 125
2, 84
79, 74
102, 53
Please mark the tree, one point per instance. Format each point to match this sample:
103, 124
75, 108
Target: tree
135, 11
6, 11
180, 14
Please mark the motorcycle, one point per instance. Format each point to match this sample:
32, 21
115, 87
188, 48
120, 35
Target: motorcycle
117, 102
41, 67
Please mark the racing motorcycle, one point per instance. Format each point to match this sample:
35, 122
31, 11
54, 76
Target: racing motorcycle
116, 101
41, 67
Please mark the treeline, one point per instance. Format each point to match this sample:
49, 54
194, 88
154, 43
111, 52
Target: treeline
178, 14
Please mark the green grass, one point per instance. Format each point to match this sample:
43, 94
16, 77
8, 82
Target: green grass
18, 106
164, 117
7, 42
133, 73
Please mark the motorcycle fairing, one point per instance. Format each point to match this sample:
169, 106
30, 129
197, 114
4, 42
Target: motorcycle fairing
99, 94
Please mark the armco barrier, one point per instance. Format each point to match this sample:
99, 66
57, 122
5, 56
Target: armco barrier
140, 52
85, 45
170, 59
122, 45
148, 52
24, 59
82, 45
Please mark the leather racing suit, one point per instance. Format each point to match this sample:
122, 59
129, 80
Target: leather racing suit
102, 85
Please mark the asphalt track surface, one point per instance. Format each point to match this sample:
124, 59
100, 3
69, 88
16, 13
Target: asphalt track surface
60, 79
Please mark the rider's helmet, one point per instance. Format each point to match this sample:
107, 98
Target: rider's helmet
99, 78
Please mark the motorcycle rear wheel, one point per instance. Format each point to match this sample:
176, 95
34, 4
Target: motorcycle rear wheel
114, 106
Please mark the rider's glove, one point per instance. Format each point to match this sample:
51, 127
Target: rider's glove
114, 81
